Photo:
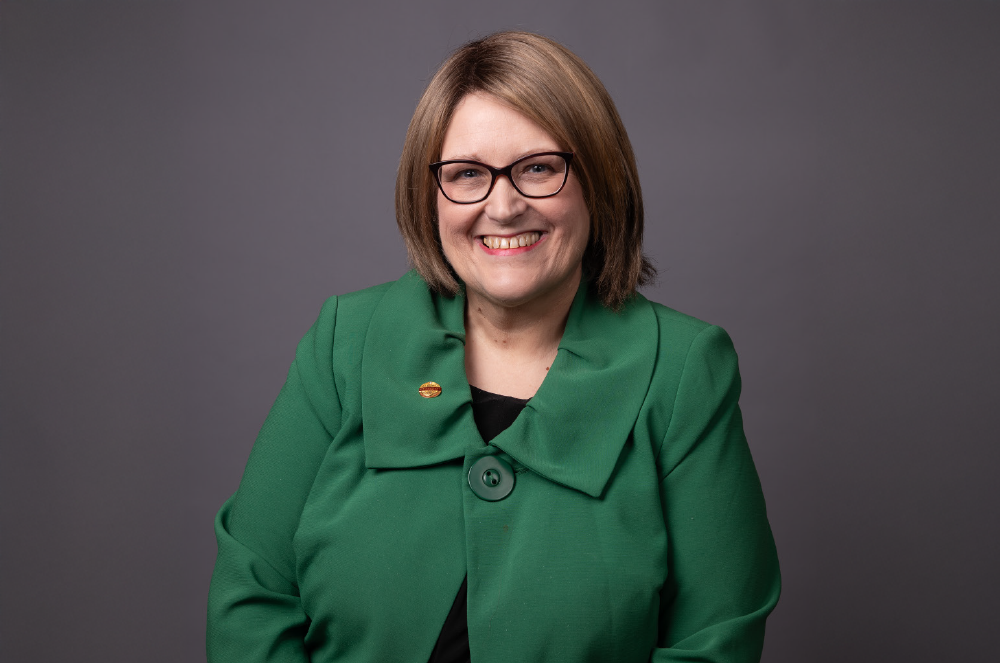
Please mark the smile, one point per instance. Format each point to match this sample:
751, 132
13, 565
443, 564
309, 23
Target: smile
524, 239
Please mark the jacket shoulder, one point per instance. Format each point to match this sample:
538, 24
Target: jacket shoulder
348, 318
682, 333
676, 326
348, 315
691, 354
362, 301
684, 338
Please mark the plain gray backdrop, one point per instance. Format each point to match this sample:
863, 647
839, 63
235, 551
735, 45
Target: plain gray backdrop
184, 183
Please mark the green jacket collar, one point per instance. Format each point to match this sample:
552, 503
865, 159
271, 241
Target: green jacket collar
572, 431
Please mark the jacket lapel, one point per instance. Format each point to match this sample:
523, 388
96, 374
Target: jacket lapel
571, 432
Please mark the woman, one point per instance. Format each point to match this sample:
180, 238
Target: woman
508, 451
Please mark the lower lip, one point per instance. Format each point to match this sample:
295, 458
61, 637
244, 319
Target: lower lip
510, 252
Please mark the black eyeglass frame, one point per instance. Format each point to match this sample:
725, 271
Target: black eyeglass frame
497, 172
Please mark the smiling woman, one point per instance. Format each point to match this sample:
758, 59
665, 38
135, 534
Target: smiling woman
507, 454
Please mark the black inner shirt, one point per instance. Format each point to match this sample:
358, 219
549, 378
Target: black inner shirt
493, 414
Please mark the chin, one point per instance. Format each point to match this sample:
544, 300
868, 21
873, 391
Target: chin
509, 297
515, 293
513, 289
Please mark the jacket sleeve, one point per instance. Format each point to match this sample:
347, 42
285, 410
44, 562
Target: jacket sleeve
254, 608
723, 568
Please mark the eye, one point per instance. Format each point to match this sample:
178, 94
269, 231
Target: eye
462, 173
540, 168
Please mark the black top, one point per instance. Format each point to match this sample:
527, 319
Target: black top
493, 414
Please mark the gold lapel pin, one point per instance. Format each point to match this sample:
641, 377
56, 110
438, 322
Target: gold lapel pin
430, 390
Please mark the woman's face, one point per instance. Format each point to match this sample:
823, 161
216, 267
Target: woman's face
556, 229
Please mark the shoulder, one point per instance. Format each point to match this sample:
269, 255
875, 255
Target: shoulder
353, 305
697, 356
342, 322
348, 315
676, 325
366, 299
695, 370
680, 334
336, 343
664, 337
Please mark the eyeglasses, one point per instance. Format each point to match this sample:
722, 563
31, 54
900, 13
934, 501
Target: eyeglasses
534, 176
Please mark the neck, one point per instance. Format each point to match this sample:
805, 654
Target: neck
509, 349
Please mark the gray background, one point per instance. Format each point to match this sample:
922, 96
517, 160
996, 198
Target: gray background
185, 182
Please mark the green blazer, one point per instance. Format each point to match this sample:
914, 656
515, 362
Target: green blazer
635, 530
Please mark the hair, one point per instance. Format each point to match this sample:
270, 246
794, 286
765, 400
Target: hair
553, 87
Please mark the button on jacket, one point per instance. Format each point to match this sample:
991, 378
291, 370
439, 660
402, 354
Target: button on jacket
634, 529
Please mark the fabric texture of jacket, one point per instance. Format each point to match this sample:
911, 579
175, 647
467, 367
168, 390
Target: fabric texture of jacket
635, 531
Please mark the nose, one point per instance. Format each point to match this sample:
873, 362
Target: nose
504, 204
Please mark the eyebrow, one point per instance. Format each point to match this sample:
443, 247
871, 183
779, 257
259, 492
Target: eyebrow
472, 157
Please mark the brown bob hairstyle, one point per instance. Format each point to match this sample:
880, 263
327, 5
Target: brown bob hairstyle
549, 84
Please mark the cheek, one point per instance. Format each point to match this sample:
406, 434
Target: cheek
447, 215
581, 228
451, 232
455, 222
447, 231
578, 216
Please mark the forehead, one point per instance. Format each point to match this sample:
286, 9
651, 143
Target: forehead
486, 129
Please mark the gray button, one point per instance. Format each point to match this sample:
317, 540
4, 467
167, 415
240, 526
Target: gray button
491, 478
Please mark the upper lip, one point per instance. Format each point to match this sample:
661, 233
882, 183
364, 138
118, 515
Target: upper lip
509, 235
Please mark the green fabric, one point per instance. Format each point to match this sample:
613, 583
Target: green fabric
636, 530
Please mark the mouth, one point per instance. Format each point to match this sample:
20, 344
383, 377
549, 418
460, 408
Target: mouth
517, 241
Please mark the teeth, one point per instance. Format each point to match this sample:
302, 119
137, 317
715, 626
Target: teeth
524, 239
